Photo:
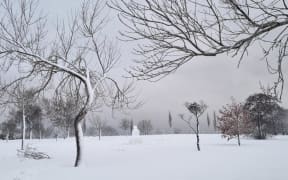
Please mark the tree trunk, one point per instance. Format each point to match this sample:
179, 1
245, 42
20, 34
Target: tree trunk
23, 127
68, 132
274, 127
39, 131
197, 134
31, 131
40, 134
238, 138
7, 135
259, 128
30, 134
79, 137
77, 123
238, 132
198, 142
99, 134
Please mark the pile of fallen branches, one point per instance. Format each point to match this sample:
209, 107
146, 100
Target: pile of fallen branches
31, 152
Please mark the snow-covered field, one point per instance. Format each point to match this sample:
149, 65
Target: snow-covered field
161, 157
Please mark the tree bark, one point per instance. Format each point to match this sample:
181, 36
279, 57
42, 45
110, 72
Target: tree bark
238, 138
31, 134
99, 134
259, 128
23, 127
238, 131
79, 137
68, 132
31, 131
197, 134
40, 134
274, 127
198, 142
7, 135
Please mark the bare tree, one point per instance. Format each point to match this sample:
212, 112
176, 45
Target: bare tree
33, 118
145, 127
197, 109
109, 131
9, 128
177, 31
131, 126
80, 58
61, 112
20, 98
99, 124
125, 124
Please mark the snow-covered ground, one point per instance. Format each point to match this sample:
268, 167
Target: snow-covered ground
161, 157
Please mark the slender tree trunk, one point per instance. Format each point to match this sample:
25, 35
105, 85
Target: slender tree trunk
7, 135
238, 138
198, 142
274, 127
259, 128
77, 123
79, 136
40, 134
31, 131
197, 134
238, 132
39, 129
30, 134
23, 127
99, 133
68, 132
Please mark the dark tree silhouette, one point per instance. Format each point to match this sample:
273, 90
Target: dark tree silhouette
8, 128
215, 121
125, 124
208, 120
197, 109
61, 111
145, 127
170, 119
261, 110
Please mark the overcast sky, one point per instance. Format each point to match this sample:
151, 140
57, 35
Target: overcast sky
214, 80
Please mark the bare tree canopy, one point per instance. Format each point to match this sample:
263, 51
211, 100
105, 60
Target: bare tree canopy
145, 127
98, 124
61, 112
125, 125
197, 109
79, 58
175, 32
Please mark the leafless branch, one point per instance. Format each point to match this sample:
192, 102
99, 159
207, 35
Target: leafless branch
175, 32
